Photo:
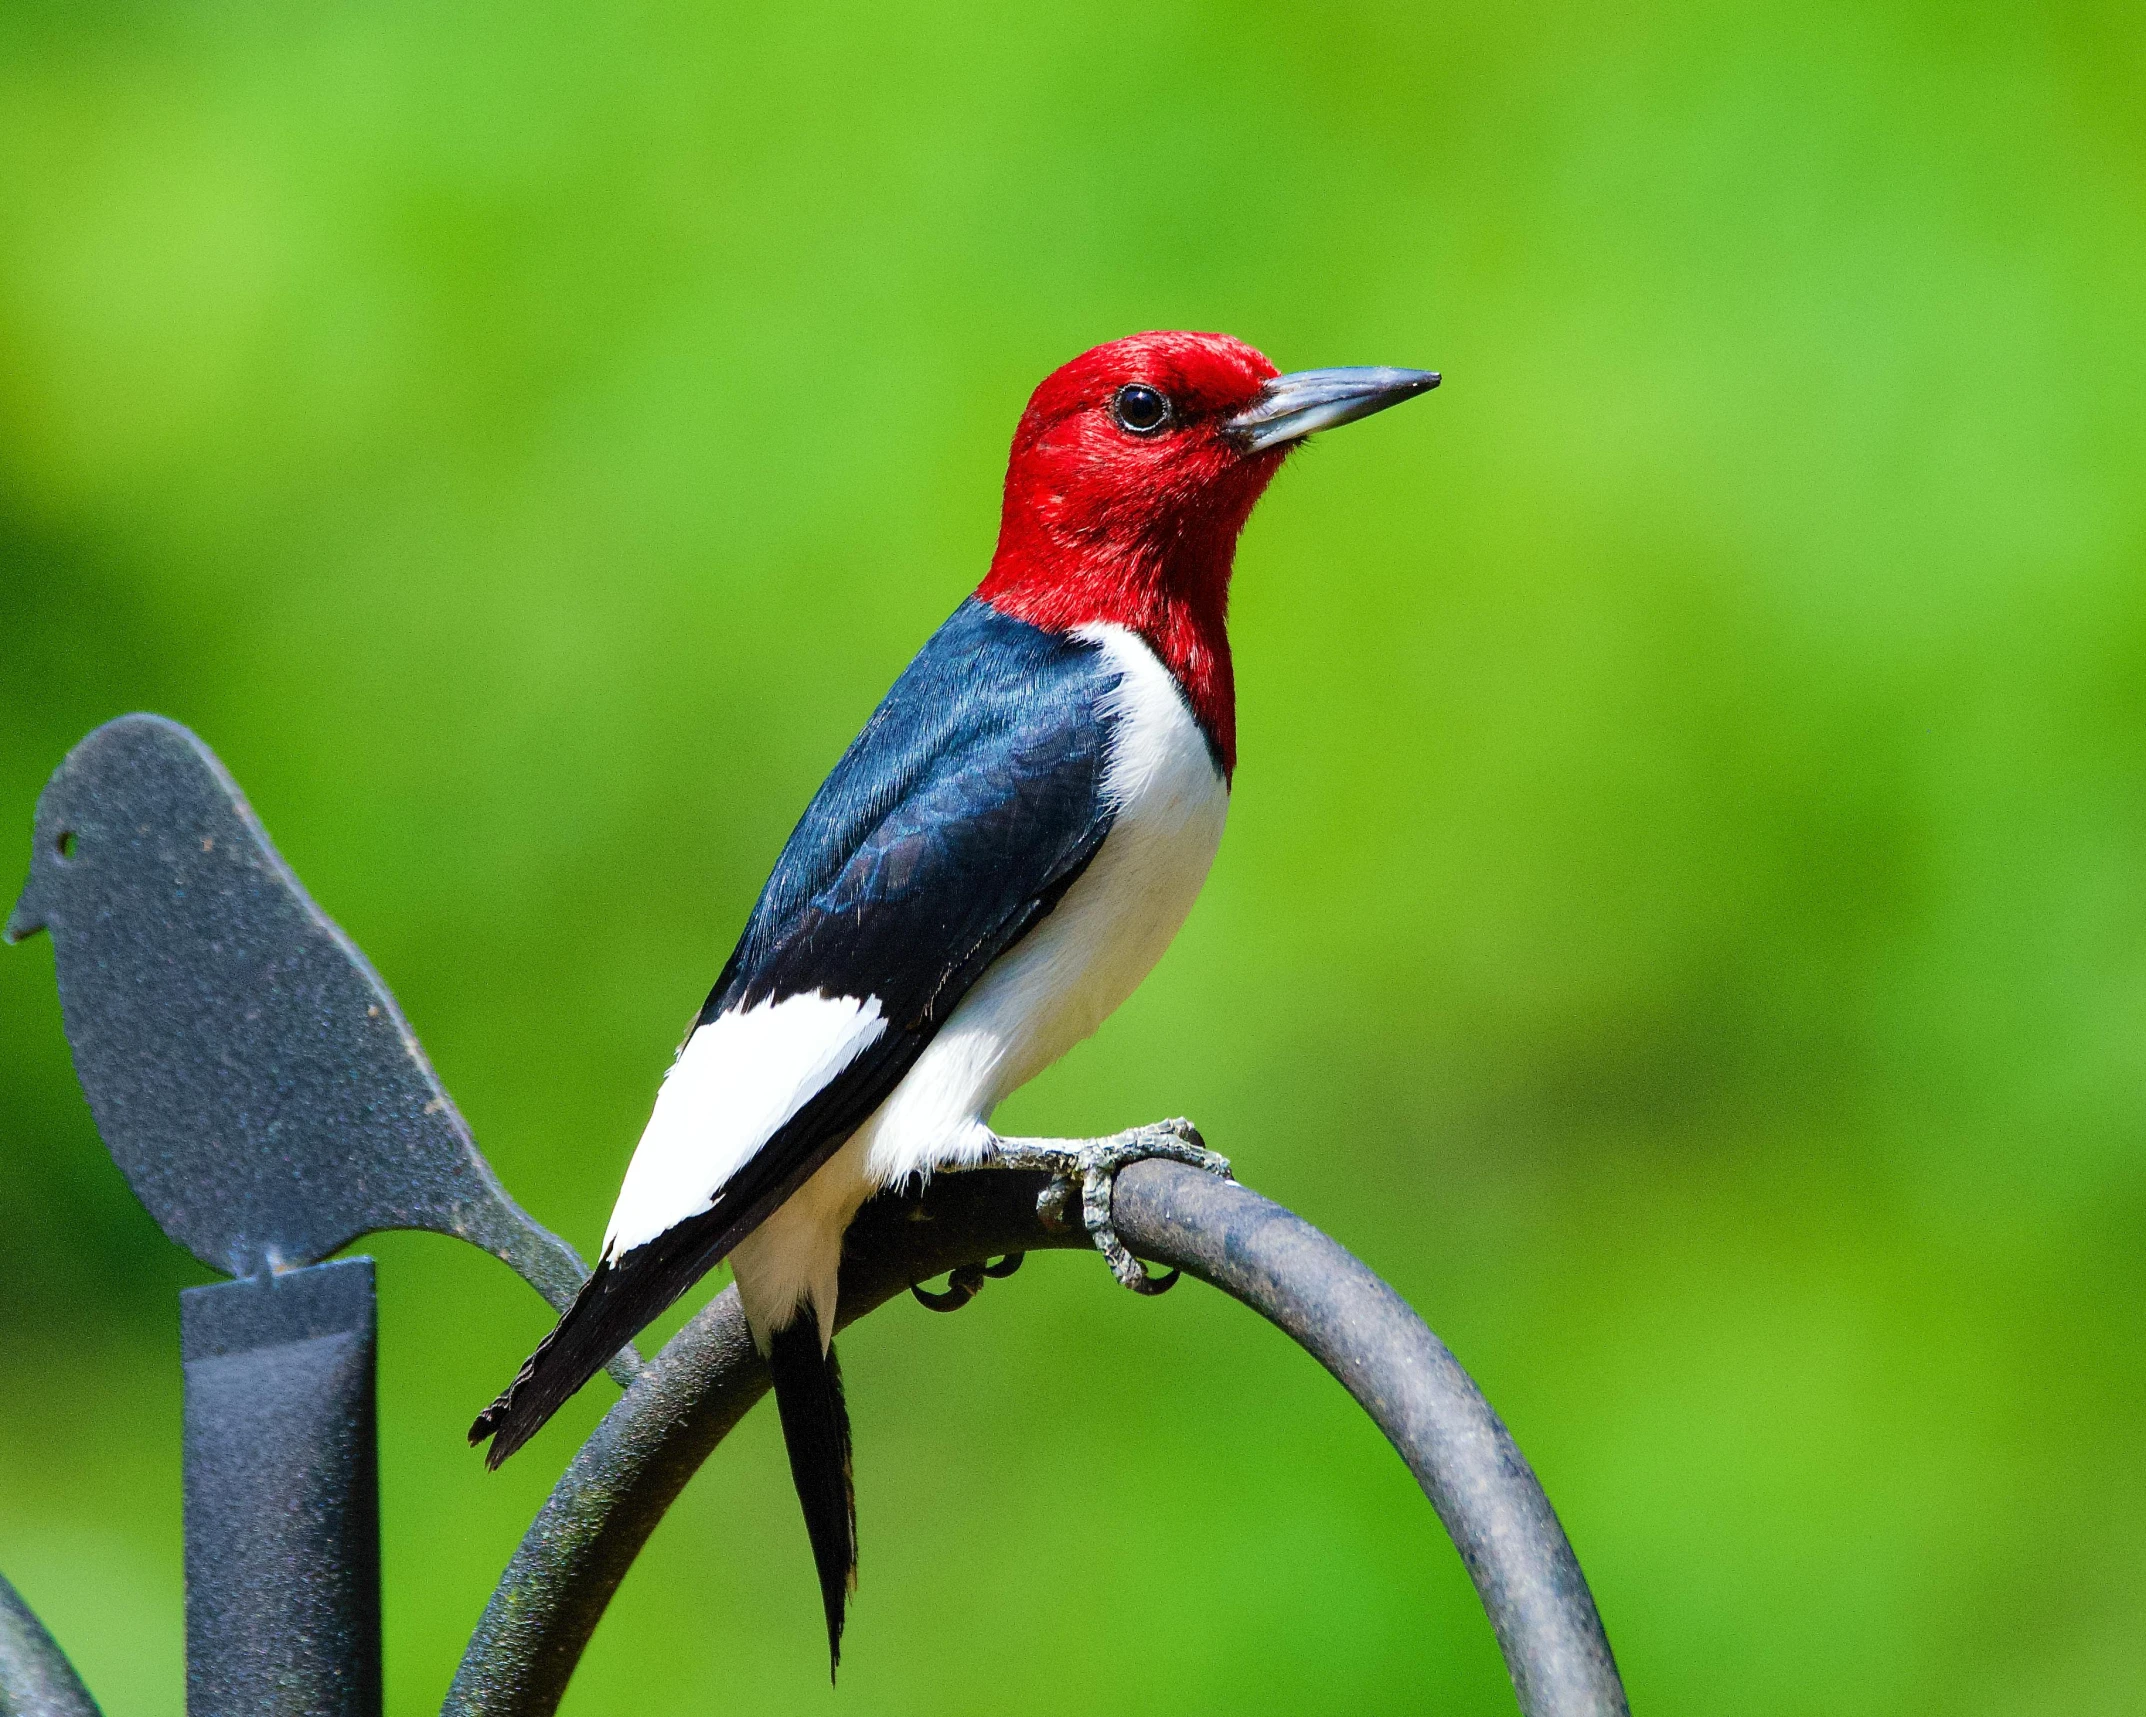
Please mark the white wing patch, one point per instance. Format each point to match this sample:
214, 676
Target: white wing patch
738, 1079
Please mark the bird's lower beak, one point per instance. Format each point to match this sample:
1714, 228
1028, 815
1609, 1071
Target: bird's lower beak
1293, 406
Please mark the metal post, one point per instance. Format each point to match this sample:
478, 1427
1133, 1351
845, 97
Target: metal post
282, 1495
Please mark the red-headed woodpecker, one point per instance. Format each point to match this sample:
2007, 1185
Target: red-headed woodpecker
997, 861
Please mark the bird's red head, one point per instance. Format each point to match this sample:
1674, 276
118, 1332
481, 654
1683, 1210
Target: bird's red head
1133, 470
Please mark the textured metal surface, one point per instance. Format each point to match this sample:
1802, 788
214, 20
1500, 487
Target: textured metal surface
36, 1680
282, 1495
247, 1068
618, 1486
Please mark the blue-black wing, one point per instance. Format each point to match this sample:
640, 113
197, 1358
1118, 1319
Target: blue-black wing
958, 818
956, 821
967, 805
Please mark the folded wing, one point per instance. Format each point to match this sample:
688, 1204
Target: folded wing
966, 808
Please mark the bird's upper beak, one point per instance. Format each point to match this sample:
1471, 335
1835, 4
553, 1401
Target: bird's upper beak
1291, 407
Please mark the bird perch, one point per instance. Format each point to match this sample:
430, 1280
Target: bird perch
601, 1512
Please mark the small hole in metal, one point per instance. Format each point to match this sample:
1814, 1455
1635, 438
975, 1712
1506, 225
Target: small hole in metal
66, 844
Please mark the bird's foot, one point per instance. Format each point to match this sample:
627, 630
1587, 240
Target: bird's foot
1093, 1165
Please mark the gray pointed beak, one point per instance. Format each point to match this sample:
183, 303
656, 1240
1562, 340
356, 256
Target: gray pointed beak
27, 919
1293, 406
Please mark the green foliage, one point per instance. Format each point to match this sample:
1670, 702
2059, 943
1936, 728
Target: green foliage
1682, 916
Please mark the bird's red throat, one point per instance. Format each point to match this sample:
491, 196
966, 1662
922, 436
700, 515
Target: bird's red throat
1101, 526
1180, 610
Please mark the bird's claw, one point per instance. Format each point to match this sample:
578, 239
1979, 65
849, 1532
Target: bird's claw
1093, 1164
964, 1283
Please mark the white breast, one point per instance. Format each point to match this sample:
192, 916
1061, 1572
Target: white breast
1069, 973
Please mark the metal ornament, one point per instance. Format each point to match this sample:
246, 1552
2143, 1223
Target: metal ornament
250, 1073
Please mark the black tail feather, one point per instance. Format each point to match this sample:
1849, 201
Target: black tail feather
815, 1427
604, 1317
621, 1296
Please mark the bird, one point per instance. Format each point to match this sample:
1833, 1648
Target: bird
995, 863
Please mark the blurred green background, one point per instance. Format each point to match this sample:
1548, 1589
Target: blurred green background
1682, 918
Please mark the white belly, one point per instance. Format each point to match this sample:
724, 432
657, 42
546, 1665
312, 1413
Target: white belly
1070, 973
1052, 990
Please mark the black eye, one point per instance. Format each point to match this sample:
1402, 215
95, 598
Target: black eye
1140, 410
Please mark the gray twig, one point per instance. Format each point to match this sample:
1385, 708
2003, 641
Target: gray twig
704, 1381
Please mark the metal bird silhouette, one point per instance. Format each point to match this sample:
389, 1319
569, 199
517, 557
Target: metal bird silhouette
250, 1073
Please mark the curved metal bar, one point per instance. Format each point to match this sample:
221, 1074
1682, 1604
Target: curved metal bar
1344, 1316
628, 1473
36, 1680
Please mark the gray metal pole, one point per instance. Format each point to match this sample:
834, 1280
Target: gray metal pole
282, 1495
